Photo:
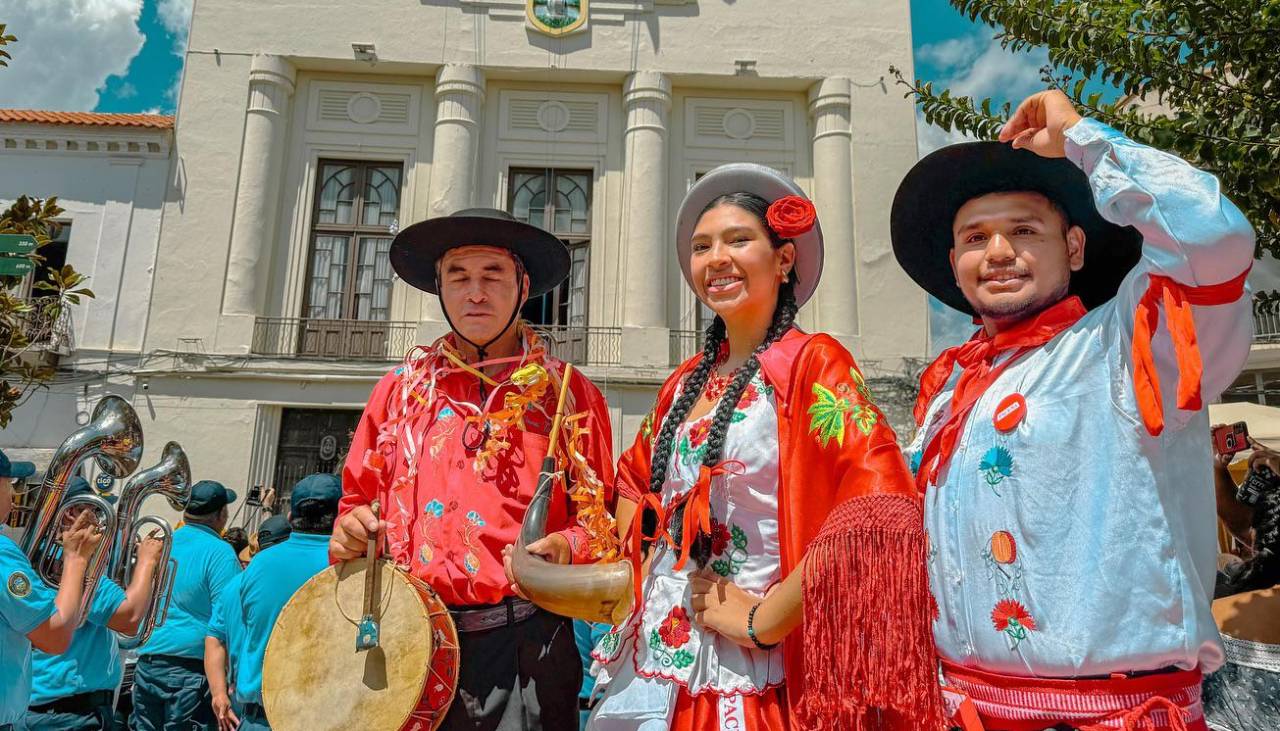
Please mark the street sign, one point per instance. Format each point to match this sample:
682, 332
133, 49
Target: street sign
17, 243
15, 266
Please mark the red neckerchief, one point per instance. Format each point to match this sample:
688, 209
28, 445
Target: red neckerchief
976, 358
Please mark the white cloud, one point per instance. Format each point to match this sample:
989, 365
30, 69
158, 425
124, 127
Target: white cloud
977, 66
126, 91
66, 50
931, 137
951, 52
175, 16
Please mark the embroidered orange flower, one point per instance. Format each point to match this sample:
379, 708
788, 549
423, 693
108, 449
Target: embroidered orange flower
1010, 613
674, 630
1003, 548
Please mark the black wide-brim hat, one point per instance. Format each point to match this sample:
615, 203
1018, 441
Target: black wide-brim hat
925, 206
417, 249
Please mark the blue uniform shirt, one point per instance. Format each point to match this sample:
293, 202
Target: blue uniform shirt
205, 564
226, 625
92, 663
269, 582
25, 603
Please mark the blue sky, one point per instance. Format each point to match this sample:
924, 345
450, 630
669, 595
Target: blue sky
126, 56
153, 74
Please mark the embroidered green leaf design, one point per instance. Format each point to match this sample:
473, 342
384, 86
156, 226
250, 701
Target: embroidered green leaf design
682, 659
827, 415
739, 538
865, 417
860, 385
720, 566
655, 641
737, 417
609, 643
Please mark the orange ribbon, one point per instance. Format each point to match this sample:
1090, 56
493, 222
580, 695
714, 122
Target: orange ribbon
1177, 299
652, 501
697, 506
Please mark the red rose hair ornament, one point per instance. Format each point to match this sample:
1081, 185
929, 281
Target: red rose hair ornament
791, 216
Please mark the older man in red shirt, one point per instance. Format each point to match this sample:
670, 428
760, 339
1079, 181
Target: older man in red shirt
451, 443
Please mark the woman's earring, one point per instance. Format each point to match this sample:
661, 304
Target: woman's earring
786, 277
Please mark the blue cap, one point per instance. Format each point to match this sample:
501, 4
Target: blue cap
320, 487
15, 470
81, 486
273, 530
209, 496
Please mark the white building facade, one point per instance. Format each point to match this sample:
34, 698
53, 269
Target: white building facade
109, 173
304, 140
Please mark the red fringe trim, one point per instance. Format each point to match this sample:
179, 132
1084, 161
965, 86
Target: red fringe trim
869, 657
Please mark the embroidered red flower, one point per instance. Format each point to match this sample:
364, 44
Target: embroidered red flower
791, 215
699, 432
749, 396
720, 537
1009, 613
674, 630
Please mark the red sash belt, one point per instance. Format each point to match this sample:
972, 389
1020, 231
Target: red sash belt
995, 702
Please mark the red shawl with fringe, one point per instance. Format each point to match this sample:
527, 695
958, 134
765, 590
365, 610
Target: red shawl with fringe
846, 498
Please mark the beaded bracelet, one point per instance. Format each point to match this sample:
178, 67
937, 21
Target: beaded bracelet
751, 630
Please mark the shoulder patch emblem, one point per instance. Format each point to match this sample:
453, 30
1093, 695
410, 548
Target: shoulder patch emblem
19, 585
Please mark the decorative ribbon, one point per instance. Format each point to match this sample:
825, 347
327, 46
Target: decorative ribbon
1177, 299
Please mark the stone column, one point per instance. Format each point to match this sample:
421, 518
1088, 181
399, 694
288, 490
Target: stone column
837, 297
456, 144
261, 158
647, 100
455, 158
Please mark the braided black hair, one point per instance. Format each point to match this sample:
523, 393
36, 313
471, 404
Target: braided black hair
784, 315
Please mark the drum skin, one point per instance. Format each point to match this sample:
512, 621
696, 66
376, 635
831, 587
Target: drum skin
313, 678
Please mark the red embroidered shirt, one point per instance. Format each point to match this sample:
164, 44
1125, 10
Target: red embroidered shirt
449, 522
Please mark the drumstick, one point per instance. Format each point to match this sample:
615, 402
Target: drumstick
367, 635
555, 423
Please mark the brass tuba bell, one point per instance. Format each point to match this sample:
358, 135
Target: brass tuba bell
171, 479
113, 437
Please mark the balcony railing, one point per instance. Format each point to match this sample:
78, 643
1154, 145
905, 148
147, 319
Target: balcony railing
47, 325
1266, 325
372, 340
300, 337
591, 346
685, 344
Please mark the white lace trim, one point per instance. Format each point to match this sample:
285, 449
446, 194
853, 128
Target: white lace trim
1257, 655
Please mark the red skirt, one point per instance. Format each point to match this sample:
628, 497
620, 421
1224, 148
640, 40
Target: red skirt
710, 712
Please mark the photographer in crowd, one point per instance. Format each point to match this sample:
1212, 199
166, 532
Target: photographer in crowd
1244, 695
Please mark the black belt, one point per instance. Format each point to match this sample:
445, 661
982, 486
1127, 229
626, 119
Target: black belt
503, 614
194, 664
79, 703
